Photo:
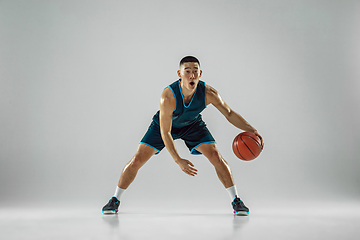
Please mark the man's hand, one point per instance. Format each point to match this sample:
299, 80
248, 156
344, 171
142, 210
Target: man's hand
187, 167
262, 140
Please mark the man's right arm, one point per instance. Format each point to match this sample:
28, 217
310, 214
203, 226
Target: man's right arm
167, 107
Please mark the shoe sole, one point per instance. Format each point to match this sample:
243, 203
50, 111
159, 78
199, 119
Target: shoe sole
241, 213
110, 211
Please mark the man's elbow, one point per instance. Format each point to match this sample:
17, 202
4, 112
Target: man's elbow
228, 114
164, 133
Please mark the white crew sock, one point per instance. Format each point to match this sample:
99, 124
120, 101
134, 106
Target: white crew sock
232, 192
118, 192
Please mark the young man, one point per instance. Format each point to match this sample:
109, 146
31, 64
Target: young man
179, 117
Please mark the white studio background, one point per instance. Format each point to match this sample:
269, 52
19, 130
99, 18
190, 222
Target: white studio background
81, 80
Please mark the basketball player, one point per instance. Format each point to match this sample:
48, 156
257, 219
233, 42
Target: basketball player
179, 117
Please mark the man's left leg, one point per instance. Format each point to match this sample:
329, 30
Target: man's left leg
210, 151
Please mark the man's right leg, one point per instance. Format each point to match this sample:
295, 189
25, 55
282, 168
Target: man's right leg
142, 155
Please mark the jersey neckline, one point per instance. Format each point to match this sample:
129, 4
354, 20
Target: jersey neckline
183, 95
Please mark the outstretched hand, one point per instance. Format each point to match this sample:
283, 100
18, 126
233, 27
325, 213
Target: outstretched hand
187, 167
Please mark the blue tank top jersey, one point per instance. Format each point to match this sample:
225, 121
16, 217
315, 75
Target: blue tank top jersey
185, 115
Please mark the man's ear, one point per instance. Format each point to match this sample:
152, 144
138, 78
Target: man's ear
178, 72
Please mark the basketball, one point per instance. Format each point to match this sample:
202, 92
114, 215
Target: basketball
247, 146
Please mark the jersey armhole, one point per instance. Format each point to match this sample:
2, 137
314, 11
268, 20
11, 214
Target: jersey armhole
205, 95
174, 97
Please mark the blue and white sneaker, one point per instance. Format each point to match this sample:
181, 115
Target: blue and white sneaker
239, 207
112, 206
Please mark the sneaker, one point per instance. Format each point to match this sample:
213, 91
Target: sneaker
112, 206
239, 207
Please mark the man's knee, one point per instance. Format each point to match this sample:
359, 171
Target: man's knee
141, 156
215, 157
136, 162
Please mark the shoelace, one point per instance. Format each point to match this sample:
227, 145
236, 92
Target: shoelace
112, 202
238, 202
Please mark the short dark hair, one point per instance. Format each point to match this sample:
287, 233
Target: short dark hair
189, 59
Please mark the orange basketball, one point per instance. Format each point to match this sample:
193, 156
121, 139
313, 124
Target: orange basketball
247, 146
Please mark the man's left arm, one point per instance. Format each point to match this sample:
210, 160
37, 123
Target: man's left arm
213, 97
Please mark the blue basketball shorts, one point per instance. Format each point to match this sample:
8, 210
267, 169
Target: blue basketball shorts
193, 135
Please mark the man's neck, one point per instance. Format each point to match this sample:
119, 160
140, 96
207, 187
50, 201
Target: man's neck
187, 93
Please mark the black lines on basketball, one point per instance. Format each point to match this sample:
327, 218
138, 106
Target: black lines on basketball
237, 147
241, 138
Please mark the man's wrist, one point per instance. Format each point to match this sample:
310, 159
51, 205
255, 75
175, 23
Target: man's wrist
177, 159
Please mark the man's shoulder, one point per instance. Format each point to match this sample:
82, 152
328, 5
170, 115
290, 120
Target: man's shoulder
168, 94
167, 101
212, 95
210, 90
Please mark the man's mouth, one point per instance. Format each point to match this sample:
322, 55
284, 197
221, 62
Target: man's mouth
192, 83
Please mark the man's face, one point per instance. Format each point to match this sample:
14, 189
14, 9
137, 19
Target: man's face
190, 73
